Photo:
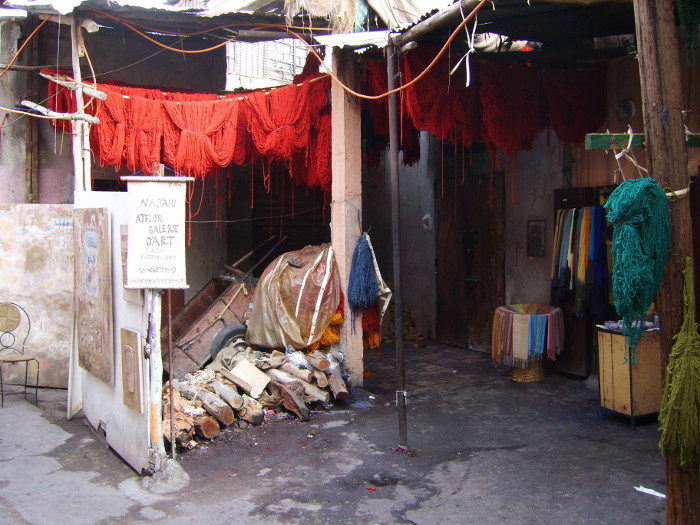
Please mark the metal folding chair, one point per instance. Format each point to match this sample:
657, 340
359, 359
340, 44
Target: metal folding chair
15, 326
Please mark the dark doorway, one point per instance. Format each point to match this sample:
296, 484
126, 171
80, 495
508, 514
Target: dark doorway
470, 257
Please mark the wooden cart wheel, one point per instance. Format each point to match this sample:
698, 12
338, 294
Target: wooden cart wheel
228, 336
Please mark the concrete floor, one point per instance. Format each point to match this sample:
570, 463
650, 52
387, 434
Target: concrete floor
488, 451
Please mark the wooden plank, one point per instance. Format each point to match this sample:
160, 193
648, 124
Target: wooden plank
620, 375
132, 369
621, 140
196, 308
613, 140
93, 292
605, 371
647, 381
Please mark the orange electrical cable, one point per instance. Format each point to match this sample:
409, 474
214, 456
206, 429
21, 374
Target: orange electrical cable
408, 84
154, 41
346, 88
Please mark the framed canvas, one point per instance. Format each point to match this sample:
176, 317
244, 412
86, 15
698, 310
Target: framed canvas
536, 241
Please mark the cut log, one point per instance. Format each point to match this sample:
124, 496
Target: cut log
247, 377
269, 400
212, 403
252, 411
337, 384
300, 373
206, 426
292, 398
184, 425
321, 379
318, 360
310, 390
228, 394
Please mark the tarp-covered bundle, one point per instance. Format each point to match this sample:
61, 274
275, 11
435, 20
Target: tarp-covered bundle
296, 299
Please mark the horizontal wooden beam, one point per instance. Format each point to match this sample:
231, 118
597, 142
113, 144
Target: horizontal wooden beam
622, 140
15, 67
69, 83
59, 116
447, 17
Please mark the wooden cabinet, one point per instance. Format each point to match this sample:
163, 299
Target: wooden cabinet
632, 390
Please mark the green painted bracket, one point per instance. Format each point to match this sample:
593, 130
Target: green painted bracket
621, 140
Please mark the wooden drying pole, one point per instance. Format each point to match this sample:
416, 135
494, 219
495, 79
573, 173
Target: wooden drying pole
81, 131
659, 71
31, 135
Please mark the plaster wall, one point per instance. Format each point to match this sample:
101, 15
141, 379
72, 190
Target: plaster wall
36, 262
346, 206
529, 195
416, 186
12, 126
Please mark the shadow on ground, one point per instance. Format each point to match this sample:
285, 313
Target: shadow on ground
487, 451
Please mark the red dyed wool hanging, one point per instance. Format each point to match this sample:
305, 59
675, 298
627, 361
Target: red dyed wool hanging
279, 120
576, 98
199, 137
513, 106
311, 167
441, 103
129, 132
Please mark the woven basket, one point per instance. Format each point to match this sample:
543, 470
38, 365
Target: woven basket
532, 373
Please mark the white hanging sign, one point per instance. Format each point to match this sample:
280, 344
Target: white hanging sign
156, 233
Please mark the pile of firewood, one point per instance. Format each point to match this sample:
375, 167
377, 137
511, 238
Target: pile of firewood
240, 384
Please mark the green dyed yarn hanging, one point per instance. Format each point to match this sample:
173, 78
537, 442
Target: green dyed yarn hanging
680, 407
641, 238
689, 18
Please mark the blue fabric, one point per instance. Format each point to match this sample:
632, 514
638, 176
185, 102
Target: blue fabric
563, 270
537, 331
599, 284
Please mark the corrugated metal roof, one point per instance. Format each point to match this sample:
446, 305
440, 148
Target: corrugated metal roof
182, 17
550, 20
199, 7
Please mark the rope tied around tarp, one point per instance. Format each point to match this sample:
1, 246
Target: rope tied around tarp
679, 416
638, 210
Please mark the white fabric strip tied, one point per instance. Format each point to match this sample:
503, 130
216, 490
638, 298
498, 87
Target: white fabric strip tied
472, 49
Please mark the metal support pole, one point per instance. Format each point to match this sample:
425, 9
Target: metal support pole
396, 238
173, 454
